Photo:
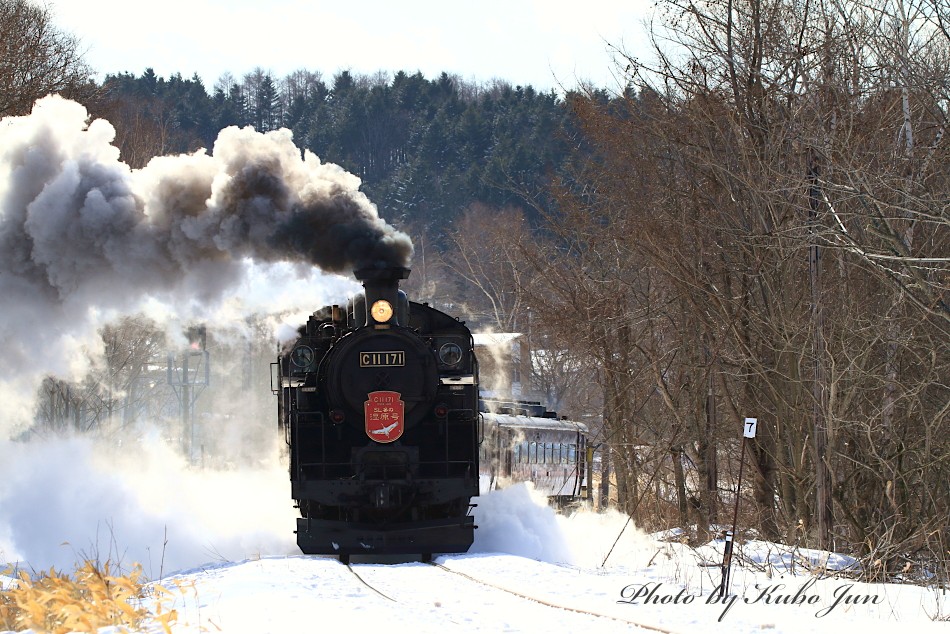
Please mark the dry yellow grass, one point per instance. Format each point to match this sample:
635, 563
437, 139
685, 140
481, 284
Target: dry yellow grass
83, 602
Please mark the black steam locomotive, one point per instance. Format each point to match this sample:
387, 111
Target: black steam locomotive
378, 404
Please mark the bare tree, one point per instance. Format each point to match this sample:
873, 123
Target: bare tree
130, 383
486, 254
36, 58
776, 132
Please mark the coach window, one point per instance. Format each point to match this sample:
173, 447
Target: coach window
532, 452
572, 453
524, 452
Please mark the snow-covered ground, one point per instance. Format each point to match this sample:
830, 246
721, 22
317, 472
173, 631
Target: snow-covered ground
526, 560
293, 594
222, 543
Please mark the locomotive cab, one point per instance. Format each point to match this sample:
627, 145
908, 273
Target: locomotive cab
378, 404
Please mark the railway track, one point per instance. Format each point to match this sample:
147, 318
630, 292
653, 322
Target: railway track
527, 597
368, 585
550, 604
375, 576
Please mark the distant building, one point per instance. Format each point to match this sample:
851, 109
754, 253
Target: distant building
504, 364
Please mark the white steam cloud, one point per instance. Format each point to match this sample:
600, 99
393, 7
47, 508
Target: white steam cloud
66, 500
84, 238
518, 520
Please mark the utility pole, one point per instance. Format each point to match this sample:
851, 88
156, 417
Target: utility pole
189, 373
823, 501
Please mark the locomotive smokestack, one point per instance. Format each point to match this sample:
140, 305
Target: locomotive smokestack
382, 285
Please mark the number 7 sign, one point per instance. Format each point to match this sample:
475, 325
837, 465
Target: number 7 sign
749, 430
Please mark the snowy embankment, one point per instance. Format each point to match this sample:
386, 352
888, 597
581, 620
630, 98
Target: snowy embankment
526, 560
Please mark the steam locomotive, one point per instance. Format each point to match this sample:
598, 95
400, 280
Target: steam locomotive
378, 405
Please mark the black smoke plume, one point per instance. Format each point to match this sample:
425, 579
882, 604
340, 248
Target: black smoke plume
85, 238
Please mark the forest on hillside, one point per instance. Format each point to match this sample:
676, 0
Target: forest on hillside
425, 149
756, 225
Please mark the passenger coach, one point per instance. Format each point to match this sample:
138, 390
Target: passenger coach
523, 442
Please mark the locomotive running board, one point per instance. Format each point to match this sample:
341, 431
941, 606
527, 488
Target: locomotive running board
323, 537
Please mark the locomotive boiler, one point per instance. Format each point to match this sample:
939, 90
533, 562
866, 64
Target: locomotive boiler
378, 405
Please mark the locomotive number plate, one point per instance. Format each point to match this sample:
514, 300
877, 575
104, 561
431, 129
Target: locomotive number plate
384, 359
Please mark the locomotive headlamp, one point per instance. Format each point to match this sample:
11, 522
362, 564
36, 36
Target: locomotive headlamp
382, 311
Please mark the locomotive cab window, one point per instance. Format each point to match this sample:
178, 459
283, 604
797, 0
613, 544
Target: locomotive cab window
450, 353
301, 357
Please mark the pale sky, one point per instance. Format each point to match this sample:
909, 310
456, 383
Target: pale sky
545, 43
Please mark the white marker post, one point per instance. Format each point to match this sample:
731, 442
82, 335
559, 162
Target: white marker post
748, 431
